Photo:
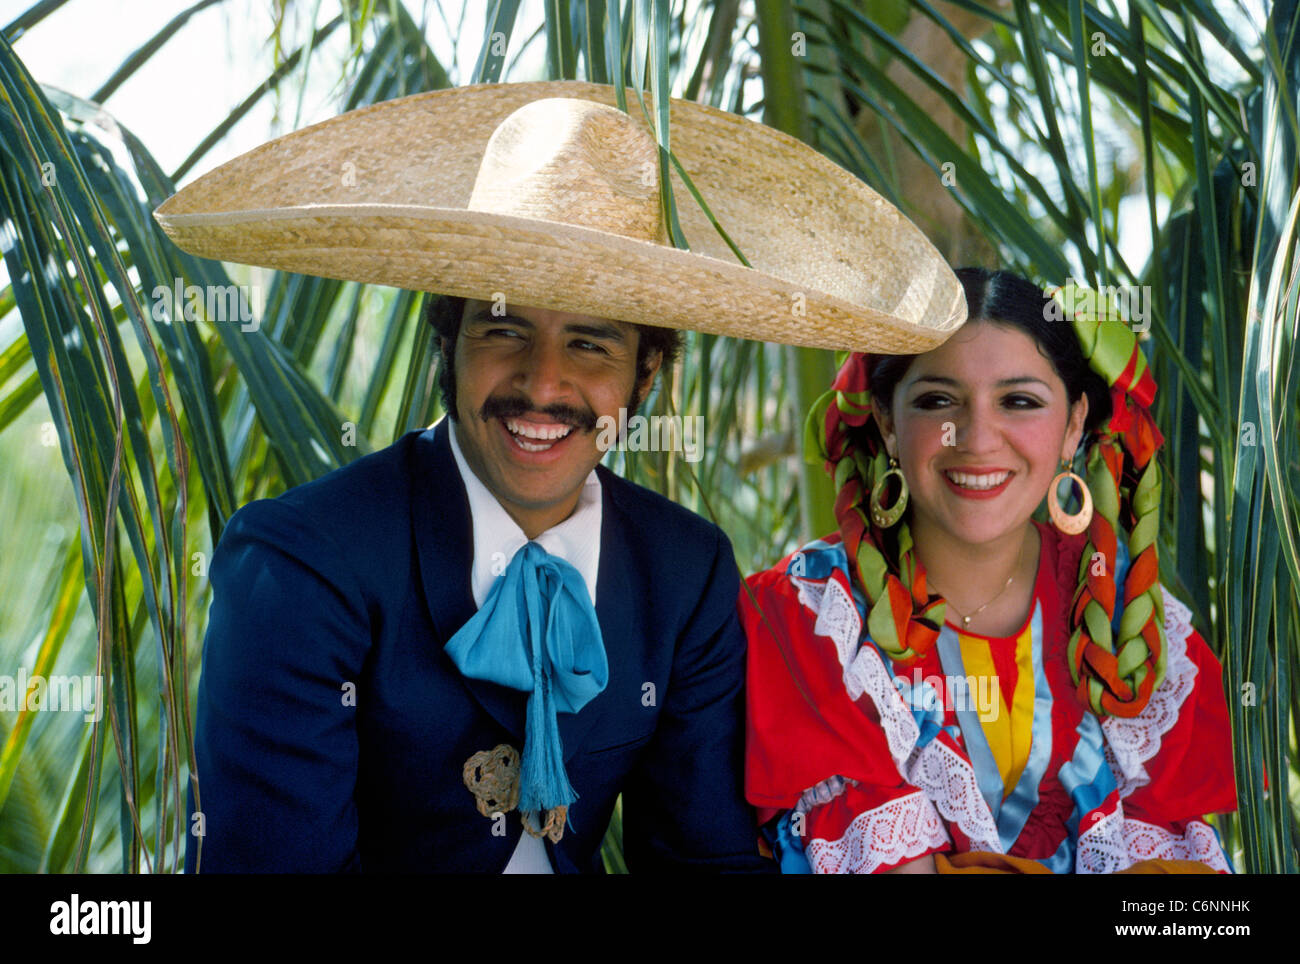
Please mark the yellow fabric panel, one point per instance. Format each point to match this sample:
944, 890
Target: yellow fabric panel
1009, 734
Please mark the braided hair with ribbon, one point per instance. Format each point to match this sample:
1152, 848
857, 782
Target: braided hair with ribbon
1094, 352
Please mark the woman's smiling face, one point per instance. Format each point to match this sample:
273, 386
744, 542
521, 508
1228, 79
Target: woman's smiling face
988, 406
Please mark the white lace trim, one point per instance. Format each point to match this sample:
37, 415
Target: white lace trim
1101, 848
1111, 844
1198, 842
867, 674
885, 836
947, 779
839, 621
1115, 843
1131, 742
950, 782
810, 592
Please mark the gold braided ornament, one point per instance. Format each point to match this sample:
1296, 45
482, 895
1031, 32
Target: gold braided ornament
493, 777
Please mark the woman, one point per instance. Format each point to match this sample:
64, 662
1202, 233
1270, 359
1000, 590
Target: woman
948, 684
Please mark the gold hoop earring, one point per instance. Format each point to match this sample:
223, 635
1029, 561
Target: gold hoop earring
887, 518
1071, 525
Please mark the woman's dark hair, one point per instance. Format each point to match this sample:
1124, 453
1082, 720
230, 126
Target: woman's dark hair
1007, 299
444, 312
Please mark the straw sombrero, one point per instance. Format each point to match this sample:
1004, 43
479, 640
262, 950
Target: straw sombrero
557, 206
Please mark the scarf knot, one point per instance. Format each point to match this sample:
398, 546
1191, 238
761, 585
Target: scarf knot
537, 632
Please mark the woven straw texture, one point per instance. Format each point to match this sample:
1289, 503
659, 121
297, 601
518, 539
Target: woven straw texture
381, 195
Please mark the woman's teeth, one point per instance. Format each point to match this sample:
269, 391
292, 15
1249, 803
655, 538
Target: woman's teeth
978, 481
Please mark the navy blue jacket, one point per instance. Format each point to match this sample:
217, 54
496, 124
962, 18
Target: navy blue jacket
354, 583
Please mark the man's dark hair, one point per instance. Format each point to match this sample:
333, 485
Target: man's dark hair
444, 312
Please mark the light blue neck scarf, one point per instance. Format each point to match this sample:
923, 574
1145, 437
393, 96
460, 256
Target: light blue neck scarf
537, 631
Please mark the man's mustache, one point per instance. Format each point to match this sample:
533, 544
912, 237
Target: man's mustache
516, 406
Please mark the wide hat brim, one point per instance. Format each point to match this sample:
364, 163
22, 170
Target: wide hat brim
380, 195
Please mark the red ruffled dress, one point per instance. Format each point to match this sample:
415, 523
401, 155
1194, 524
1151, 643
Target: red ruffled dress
858, 765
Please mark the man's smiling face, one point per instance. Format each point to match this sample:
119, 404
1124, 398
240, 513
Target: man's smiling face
530, 386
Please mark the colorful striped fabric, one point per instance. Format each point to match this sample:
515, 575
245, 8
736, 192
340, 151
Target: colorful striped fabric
859, 763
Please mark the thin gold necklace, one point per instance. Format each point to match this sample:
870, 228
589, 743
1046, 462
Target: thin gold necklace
965, 620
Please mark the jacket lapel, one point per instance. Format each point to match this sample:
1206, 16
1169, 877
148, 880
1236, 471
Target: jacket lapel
615, 595
444, 541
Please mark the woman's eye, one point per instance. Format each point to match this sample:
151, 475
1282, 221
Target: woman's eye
1021, 402
928, 401
1029, 402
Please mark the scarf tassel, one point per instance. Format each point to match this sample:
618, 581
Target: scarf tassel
544, 782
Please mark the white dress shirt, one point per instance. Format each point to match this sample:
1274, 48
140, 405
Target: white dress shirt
497, 538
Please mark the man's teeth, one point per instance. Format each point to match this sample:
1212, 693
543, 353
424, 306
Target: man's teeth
978, 481
546, 436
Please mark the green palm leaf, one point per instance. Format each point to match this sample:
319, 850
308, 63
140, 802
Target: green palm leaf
1003, 126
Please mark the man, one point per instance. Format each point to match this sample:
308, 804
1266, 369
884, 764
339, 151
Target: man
455, 653
337, 586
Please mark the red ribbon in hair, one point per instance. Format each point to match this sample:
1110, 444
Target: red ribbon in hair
1130, 401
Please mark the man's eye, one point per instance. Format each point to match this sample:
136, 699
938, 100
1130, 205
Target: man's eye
591, 346
501, 332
